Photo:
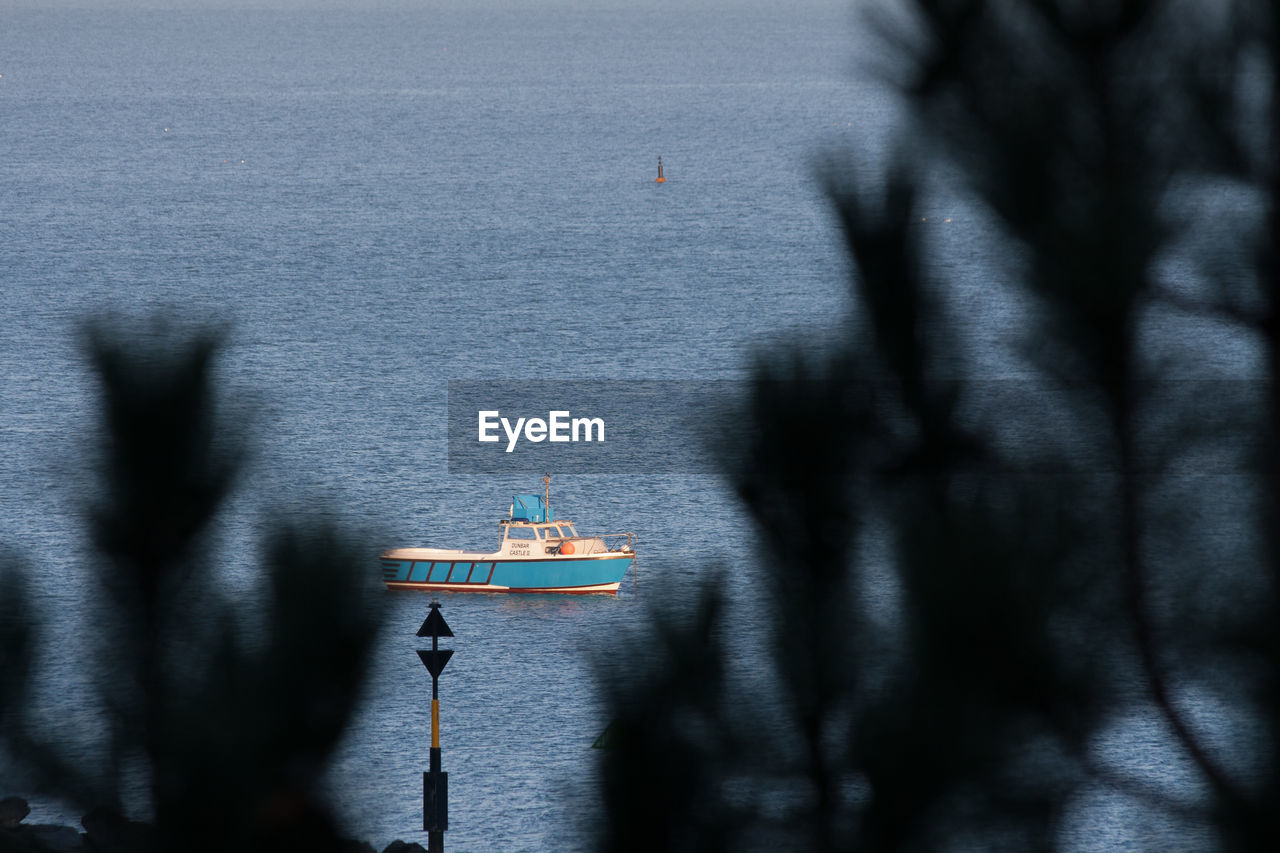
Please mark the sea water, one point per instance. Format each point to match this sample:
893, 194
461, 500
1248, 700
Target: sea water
376, 199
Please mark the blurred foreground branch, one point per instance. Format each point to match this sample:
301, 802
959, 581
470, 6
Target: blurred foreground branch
231, 719
976, 590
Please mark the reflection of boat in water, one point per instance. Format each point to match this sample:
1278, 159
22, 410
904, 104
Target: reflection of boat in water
536, 553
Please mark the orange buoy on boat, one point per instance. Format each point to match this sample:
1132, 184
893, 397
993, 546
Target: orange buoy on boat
567, 548
660, 180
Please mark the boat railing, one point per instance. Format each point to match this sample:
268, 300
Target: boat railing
616, 542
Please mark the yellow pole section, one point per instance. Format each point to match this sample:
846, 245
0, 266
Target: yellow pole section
435, 723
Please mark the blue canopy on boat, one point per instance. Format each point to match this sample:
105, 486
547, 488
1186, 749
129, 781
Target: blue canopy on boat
530, 508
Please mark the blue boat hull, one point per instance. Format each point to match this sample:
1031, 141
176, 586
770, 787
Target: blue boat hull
561, 574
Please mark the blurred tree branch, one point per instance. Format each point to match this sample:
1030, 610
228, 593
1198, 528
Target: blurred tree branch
1035, 582
233, 723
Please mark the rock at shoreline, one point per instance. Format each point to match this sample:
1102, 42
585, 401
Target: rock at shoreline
12, 811
47, 838
36, 838
107, 831
399, 846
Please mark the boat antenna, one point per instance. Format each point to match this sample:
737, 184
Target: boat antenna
546, 486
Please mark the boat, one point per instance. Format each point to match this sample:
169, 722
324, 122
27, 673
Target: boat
536, 553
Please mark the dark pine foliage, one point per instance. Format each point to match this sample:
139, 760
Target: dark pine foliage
230, 718
1095, 543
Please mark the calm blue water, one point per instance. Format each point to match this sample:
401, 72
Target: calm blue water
378, 201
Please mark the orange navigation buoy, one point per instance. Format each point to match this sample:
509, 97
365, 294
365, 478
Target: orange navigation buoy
661, 180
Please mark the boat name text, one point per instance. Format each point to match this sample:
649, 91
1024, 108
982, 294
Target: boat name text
558, 427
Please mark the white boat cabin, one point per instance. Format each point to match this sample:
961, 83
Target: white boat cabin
549, 538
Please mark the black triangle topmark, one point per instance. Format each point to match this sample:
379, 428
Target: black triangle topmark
435, 626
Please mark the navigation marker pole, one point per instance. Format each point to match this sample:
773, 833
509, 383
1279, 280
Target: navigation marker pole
435, 784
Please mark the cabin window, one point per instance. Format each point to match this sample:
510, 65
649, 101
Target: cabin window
521, 533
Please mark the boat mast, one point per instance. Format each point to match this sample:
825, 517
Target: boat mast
546, 487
